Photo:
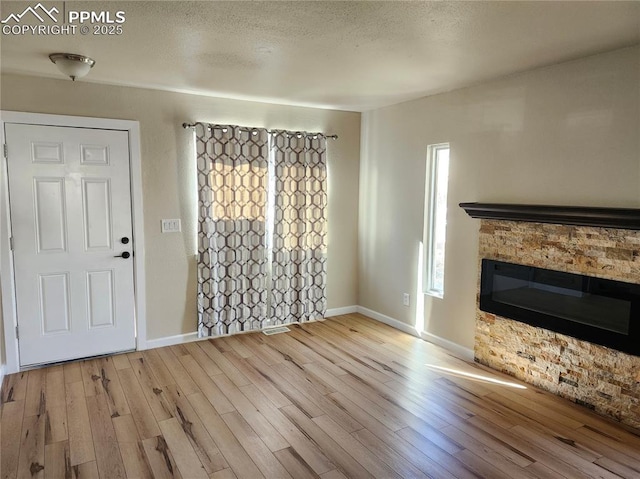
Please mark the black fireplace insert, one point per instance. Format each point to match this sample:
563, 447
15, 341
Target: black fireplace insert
597, 310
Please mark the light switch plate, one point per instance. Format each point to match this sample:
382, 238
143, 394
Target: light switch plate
171, 226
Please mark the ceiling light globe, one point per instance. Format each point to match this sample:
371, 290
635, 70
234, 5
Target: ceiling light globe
72, 65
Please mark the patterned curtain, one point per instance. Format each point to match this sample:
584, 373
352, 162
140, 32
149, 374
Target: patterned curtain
299, 243
232, 165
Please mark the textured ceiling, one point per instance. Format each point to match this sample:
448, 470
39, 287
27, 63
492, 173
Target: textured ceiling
344, 55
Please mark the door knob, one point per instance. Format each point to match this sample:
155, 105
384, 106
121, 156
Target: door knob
124, 240
124, 255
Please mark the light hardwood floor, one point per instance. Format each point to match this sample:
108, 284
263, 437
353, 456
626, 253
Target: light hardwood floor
348, 397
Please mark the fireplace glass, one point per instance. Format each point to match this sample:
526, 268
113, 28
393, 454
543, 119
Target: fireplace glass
598, 310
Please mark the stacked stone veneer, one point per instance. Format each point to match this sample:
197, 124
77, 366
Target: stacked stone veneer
603, 379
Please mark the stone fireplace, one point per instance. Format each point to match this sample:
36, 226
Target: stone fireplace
601, 378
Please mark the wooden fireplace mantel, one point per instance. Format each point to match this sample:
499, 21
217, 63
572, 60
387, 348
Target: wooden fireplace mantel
622, 218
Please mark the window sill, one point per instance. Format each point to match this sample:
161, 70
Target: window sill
435, 294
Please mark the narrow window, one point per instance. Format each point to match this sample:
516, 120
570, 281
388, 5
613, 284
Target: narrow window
435, 223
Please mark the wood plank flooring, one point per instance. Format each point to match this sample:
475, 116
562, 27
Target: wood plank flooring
344, 398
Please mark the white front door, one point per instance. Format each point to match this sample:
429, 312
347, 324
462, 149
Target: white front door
69, 193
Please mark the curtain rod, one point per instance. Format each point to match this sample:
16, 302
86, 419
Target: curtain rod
193, 125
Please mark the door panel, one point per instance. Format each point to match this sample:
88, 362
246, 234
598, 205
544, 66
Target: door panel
46, 152
94, 155
100, 298
50, 214
96, 203
70, 198
54, 302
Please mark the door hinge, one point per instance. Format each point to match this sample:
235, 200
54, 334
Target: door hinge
17, 334
5, 149
11, 243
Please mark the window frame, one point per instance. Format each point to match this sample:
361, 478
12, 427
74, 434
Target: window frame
430, 217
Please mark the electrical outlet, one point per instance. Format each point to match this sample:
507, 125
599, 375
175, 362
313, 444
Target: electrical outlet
405, 299
171, 226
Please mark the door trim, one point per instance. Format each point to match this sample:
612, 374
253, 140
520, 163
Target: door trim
7, 284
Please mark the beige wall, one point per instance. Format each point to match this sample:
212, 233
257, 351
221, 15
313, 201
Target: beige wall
168, 171
3, 360
568, 134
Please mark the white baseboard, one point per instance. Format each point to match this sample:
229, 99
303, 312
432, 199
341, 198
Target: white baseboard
338, 311
189, 337
171, 340
454, 348
394, 323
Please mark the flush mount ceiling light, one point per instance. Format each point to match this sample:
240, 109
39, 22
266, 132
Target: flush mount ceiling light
72, 65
